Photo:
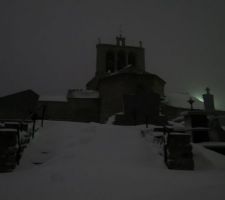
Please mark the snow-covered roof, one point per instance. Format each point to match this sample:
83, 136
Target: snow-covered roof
8, 130
119, 71
80, 93
53, 98
130, 69
179, 100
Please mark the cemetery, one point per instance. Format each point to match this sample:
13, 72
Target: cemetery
17, 127
175, 136
138, 99
120, 132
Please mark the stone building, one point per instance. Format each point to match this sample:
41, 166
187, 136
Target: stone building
120, 72
79, 106
19, 106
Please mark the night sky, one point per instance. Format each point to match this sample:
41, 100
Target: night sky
49, 45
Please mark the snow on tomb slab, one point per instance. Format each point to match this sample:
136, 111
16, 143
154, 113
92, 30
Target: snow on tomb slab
18, 123
53, 98
119, 71
8, 130
197, 129
213, 144
80, 93
179, 119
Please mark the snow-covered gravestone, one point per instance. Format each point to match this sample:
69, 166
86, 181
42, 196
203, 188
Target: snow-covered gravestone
14, 137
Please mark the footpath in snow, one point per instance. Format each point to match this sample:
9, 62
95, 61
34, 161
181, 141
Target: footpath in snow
82, 161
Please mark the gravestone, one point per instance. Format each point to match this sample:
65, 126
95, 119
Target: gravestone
8, 149
196, 124
178, 151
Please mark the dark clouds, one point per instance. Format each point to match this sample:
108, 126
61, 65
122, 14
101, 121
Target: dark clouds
50, 45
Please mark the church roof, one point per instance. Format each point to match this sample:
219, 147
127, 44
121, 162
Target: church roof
133, 70
82, 94
129, 70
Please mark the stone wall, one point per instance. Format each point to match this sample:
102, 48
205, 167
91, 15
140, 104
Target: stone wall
112, 91
80, 110
197, 124
141, 108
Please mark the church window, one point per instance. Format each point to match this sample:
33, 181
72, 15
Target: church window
121, 60
131, 59
110, 61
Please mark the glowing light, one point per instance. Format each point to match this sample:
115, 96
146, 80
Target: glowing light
199, 98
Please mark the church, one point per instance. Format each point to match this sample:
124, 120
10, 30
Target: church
121, 91
120, 86
120, 71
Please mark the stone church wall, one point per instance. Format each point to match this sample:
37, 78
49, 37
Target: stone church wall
113, 89
79, 110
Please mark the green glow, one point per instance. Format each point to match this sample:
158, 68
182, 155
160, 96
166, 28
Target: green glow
199, 97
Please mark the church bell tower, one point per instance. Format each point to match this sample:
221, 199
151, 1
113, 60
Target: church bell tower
112, 58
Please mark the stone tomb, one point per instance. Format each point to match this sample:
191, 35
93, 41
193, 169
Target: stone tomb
197, 125
178, 151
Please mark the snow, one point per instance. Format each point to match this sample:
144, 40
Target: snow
81, 93
210, 159
119, 71
179, 119
197, 129
112, 118
82, 161
213, 144
53, 98
178, 126
18, 123
8, 130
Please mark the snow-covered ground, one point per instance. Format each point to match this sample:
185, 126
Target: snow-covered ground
88, 161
